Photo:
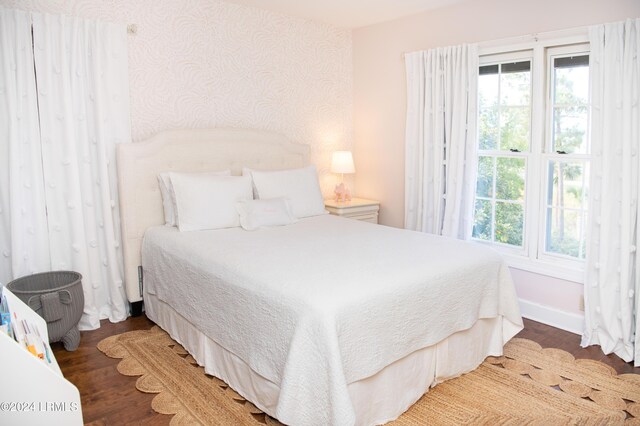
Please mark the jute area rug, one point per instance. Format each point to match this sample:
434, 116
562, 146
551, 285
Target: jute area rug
528, 385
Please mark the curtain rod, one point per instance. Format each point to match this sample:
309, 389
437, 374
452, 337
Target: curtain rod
533, 37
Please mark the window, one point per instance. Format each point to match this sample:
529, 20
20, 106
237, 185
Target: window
533, 153
504, 100
567, 161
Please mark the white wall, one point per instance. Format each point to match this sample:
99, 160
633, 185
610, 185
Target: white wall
380, 99
206, 63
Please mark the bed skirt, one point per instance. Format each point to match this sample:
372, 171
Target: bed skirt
377, 399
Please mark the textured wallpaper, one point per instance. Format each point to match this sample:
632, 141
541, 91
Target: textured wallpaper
207, 63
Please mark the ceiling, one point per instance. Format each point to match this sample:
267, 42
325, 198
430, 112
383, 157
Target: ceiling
348, 13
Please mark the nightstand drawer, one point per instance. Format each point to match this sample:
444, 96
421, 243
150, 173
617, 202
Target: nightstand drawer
372, 218
357, 208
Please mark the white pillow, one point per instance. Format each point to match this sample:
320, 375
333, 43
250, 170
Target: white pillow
208, 202
167, 203
168, 197
257, 213
300, 186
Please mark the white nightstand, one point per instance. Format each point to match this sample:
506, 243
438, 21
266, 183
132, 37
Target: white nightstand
357, 208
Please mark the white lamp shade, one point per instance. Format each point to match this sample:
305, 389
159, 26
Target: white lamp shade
342, 162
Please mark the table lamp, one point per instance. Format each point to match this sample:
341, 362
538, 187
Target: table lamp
342, 162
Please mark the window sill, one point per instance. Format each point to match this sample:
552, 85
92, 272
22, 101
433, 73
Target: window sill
550, 269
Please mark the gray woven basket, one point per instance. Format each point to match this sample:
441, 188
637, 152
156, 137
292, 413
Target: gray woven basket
58, 298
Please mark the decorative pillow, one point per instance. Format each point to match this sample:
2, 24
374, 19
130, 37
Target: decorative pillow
208, 202
300, 186
258, 213
168, 197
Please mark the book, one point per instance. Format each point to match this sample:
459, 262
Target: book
26, 328
5, 318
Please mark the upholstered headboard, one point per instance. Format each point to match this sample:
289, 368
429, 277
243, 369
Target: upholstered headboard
186, 150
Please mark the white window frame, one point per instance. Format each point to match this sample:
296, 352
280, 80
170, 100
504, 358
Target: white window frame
526, 155
532, 258
548, 154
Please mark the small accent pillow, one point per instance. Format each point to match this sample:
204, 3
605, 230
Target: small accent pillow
168, 197
208, 202
255, 214
299, 186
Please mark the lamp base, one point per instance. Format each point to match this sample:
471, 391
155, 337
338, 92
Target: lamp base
342, 193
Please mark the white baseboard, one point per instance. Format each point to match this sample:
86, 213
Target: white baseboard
567, 321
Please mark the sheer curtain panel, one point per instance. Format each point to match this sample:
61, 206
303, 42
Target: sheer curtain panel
83, 93
24, 240
64, 105
613, 270
440, 151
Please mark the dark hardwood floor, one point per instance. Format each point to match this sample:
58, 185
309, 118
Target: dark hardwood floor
109, 398
551, 337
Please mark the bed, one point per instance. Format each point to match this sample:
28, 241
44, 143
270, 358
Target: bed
324, 321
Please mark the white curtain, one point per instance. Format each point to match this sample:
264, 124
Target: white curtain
24, 242
440, 150
83, 105
612, 290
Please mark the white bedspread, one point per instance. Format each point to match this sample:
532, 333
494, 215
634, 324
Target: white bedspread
327, 301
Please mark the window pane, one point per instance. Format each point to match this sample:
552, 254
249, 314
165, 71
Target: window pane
488, 90
571, 80
514, 131
565, 232
568, 184
510, 179
504, 98
571, 61
489, 69
570, 129
509, 223
482, 220
515, 88
509, 67
485, 177
488, 128
570, 94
